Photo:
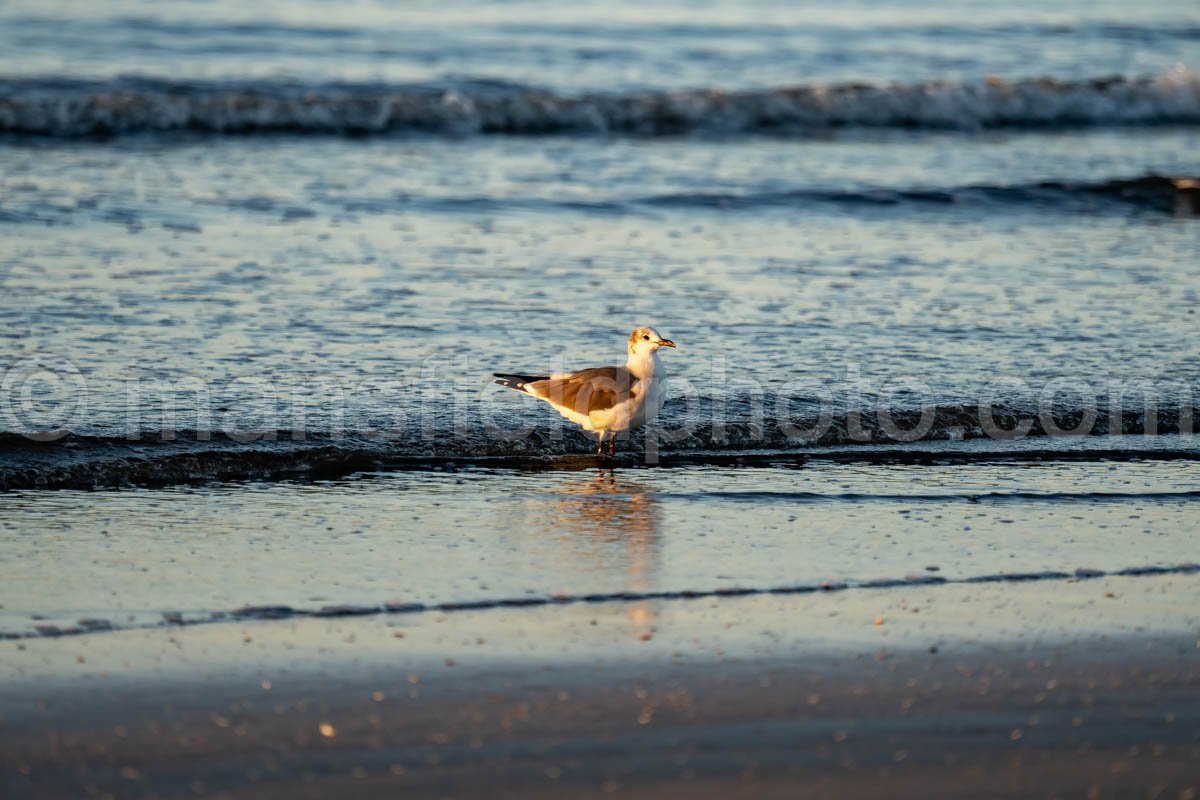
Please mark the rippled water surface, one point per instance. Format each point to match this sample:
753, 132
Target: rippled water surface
331, 223
598, 45
433, 263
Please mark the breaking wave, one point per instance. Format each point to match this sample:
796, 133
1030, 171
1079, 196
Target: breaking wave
73, 108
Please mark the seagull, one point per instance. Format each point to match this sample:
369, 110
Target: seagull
605, 400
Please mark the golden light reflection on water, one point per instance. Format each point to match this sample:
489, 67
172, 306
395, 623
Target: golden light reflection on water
613, 522
128, 556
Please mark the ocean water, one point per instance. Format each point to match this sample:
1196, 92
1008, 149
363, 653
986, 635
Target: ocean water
404, 543
292, 240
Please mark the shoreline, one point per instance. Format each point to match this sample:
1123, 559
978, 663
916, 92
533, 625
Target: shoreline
262, 613
81, 462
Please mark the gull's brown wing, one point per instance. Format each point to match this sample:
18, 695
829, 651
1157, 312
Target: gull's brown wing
585, 392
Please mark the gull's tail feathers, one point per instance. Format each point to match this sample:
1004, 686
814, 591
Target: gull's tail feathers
517, 382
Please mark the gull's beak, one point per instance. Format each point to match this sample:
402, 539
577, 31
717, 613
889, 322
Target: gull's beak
665, 343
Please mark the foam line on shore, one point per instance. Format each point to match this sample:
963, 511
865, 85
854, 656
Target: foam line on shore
281, 612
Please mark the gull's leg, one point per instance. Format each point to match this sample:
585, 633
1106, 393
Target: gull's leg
600, 443
612, 439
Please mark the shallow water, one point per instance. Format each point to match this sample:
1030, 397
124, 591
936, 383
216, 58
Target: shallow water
127, 558
395, 274
274, 281
277, 240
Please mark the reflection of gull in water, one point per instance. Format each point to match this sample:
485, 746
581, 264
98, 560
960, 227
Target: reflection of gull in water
614, 524
605, 508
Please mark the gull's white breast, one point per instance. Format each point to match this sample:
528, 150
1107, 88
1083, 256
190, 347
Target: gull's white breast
645, 401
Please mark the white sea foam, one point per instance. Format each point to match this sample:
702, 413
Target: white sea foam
73, 108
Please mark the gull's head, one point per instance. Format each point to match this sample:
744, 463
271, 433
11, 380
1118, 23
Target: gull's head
644, 341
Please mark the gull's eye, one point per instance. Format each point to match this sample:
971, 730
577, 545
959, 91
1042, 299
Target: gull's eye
647, 338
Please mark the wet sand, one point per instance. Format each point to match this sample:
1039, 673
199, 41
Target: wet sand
1065, 688
140, 557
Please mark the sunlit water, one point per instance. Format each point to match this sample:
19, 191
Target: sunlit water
248, 254
142, 557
